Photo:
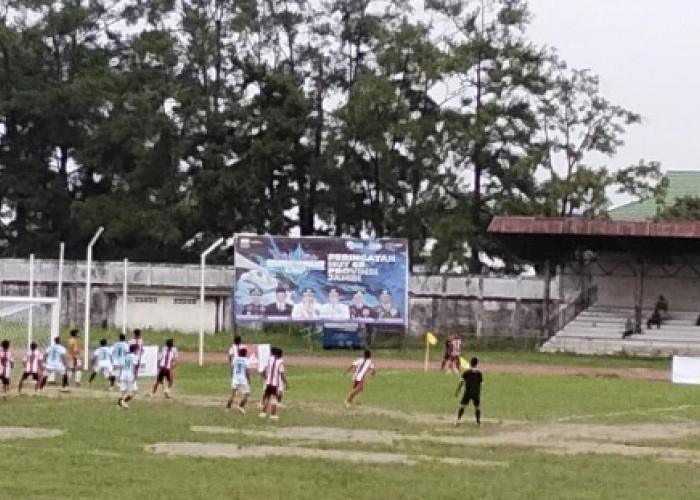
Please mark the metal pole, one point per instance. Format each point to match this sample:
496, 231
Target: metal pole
30, 319
125, 294
59, 288
88, 279
202, 310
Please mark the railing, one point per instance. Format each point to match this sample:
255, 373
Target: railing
569, 311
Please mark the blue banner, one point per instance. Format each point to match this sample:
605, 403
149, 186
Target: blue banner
320, 280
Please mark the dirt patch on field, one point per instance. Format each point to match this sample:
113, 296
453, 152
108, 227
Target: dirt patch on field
28, 433
218, 450
331, 434
558, 439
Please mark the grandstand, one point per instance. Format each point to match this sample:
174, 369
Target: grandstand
630, 263
598, 330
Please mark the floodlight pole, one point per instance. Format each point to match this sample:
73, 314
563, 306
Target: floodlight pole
88, 278
30, 319
202, 264
125, 294
59, 287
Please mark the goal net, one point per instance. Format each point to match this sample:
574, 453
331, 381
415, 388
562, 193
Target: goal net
24, 320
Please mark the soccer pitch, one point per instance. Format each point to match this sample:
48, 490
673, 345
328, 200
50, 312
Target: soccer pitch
543, 437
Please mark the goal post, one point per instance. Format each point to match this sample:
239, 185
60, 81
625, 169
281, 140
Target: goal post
24, 320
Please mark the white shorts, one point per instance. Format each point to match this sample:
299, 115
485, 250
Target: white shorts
127, 385
242, 387
60, 369
117, 370
105, 368
75, 364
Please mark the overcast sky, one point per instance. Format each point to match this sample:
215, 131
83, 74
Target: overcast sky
646, 53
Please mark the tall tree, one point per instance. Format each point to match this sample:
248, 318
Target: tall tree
495, 72
579, 127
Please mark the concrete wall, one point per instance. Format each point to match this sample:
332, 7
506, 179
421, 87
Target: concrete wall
167, 297
677, 280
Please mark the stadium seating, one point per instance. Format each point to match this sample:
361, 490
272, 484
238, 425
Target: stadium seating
598, 330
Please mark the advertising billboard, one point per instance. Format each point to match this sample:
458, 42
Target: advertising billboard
320, 279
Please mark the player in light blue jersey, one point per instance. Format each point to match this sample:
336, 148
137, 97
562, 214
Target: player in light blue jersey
127, 379
55, 362
102, 363
119, 351
240, 380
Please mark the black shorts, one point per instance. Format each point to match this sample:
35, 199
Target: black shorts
5, 380
26, 375
475, 398
358, 383
447, 357
270, 390
163, 374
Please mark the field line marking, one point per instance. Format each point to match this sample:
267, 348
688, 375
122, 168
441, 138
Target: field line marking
648, 411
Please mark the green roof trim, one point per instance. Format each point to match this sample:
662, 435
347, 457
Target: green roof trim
680, 183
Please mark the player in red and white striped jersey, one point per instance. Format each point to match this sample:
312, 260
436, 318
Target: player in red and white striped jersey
274, 378
6, 363
166, 367
456, 353
138, 342
32, 368
363, 368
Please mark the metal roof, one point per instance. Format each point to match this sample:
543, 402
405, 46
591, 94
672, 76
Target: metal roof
547, 238
679, 184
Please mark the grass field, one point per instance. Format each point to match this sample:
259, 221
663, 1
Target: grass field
295, 342
542, 438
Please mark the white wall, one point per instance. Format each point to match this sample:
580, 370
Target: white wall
165, 313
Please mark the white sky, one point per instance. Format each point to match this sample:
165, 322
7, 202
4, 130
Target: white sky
645, 52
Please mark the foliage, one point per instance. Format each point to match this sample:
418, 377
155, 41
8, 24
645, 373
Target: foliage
174, 123
683, 208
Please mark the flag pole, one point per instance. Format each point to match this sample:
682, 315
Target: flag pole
427, 353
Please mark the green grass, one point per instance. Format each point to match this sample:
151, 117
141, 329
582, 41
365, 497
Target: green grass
101, 453
296, 342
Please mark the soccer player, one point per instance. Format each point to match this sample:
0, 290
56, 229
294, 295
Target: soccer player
127, 378
138, 342
240, 382
102, 363
456, 353
6, 363
75, 354
166, 367
274, 376
234, 350
471, 379
447, 358
363, 368
119, 351
32, 368
55, 362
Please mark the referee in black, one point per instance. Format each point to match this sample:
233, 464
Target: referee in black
472, 380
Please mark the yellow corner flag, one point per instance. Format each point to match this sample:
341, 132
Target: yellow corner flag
432, 339
463, 363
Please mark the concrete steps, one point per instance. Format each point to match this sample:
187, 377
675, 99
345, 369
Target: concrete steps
599, 331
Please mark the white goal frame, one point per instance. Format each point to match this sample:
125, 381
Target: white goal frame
19, 303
